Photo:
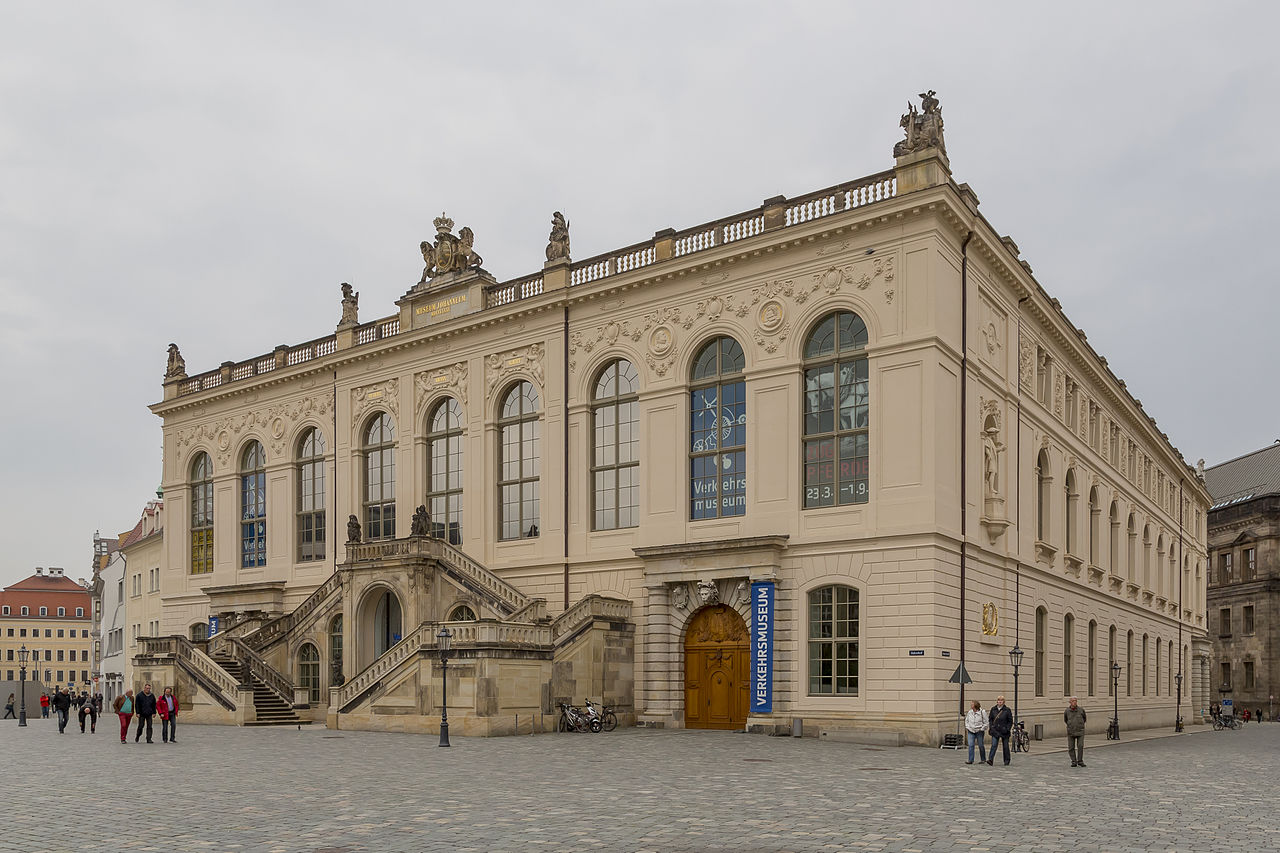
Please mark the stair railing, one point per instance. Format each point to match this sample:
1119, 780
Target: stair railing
261, 670
202, 667
423, 635
275, 630
461, 564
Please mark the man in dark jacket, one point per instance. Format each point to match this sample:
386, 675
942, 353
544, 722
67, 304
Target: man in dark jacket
1075, 719
1000, 725
144, 707
62, 704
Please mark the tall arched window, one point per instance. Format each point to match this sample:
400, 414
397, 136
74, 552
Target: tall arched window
201, 515
380, 478
1111, 659
1073, 513
1094, 520
718, 432
253, 506
444, 471
311, 496
1128, 666
615, 466
520, 462
1068, 660
1131, 556
836, 412
1093, 656
1042, 640
1146, 557
309, 671
1115, 539
1144, 663
1043, 482
833, 641
335, 650
1156, 671
1168, 682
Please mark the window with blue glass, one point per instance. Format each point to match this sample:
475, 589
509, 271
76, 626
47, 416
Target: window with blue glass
718, 432
836, 457
253, 506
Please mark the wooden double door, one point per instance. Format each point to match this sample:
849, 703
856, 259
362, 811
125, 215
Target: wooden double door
717, 665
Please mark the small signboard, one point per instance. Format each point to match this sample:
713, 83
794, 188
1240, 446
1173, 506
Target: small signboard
960, 676
762, 647
915, 653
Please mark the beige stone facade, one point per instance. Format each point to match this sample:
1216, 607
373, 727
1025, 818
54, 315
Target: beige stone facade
1011, 488
51, 616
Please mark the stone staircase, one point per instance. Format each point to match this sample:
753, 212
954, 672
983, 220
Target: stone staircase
269, 709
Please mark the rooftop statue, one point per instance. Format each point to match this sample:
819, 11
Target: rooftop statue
350, 306
177, 366
923, 128
448, 253
558, 242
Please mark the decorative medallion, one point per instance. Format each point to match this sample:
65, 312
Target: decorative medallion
661, 340
771, 316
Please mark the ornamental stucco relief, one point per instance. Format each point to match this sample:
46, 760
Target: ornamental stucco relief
382, 395
526, 360
277, 422
452, 378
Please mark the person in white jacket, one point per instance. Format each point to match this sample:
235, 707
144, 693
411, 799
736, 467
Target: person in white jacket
975, 726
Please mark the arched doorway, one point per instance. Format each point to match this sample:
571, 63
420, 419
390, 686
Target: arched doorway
377, 626
387, 630
716, 669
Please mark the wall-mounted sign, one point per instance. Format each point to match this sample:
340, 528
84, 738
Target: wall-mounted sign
762, 647
213, 625
916, 653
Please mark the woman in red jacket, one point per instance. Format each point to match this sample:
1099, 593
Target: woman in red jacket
167, 708
123, 706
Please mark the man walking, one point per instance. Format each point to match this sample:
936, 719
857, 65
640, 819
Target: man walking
144, 708
61, 704
1075, 718
1000, 725
167, 706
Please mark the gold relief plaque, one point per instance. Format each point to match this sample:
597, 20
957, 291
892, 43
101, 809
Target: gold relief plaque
990, 619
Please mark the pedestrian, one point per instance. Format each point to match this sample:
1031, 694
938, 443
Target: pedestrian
123, 706
975, 726
1000, 724
145, 709
44, 705
167, 707
8, 708
1075, 718
1214, 710
87, 710
97, 702
1258, 716
62, 705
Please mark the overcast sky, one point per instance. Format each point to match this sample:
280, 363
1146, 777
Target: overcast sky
209, 173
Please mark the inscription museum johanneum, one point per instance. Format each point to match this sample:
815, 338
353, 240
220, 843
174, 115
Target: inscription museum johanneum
800, 462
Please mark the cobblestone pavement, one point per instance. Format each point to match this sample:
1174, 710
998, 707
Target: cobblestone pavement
228, 789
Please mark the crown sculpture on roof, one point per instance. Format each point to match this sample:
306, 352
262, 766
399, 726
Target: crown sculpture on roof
448, 253
923, 128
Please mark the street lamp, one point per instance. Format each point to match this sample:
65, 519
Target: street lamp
1113, 731
443, 638
1177, 723
23, 654
1015, 658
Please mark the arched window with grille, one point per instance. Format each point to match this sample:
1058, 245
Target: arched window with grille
201, 515
311, 496
718, 431
1072, 501
253, 506
1043, 483
1114, 558
615, 461
444, 470
1092, 656
380, 478
462, 613
199, 631
836, 412
833, 641
1112, 660
1094, 521
520, 462
309, 671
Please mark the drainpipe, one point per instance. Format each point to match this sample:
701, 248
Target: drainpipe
1178, 712
964, 433
564, 522
1017, 510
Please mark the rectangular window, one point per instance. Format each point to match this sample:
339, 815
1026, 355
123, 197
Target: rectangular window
60, 633
1248, 676
1246, 626
62, 611
60, 674
44, 611
84, 632
48, 654
61, 658
1224, 568
1041, 640
10, 674
9, 654
84, 676
1226, 675
47, 632
22, 632
80, 612
833, 641
1224, 622
1250, 564
6, 610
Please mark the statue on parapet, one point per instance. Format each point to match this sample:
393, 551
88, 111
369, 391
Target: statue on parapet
177, 366
353, 530
558, 242
421, 522
350, 306
923, 128
448, 253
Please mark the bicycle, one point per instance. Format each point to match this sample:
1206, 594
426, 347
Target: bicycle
573, 720
1021, 740
1220, 723
607, 719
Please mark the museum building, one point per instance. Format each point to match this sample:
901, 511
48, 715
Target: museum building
803, 463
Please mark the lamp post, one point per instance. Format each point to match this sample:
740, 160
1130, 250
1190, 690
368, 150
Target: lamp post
443, 639
1015, 658
1113, 731
23, 654
1177, 723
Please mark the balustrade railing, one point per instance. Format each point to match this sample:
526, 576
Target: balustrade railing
511, 599
197, 661
587, 609
263, 671
277, 628
389, 660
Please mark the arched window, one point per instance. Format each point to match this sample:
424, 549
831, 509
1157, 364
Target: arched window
1042, 640
444, 471
1094, 521
1043, 482
1168, 682
309, 671
718, 432
199, 631
1131, 555
462, 613
1128, 666
1159, 652
1115, 539
1111, 659
1093, 656
615, 466
520, 462
1073, 513
311, 496
1146, 557
380, 478
1158, 582
201, 515
253, 506
1068, 643
1144, 664
836, 412
335, 650
833, 641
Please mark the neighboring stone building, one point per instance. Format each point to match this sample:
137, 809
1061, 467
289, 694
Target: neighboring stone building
799, 462
104, 551
1244, 577
112, 627
143, 551
51, 615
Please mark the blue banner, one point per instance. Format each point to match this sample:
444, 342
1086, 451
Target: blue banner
213, 625
762, 647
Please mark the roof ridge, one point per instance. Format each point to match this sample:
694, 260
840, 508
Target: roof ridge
1275, 445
